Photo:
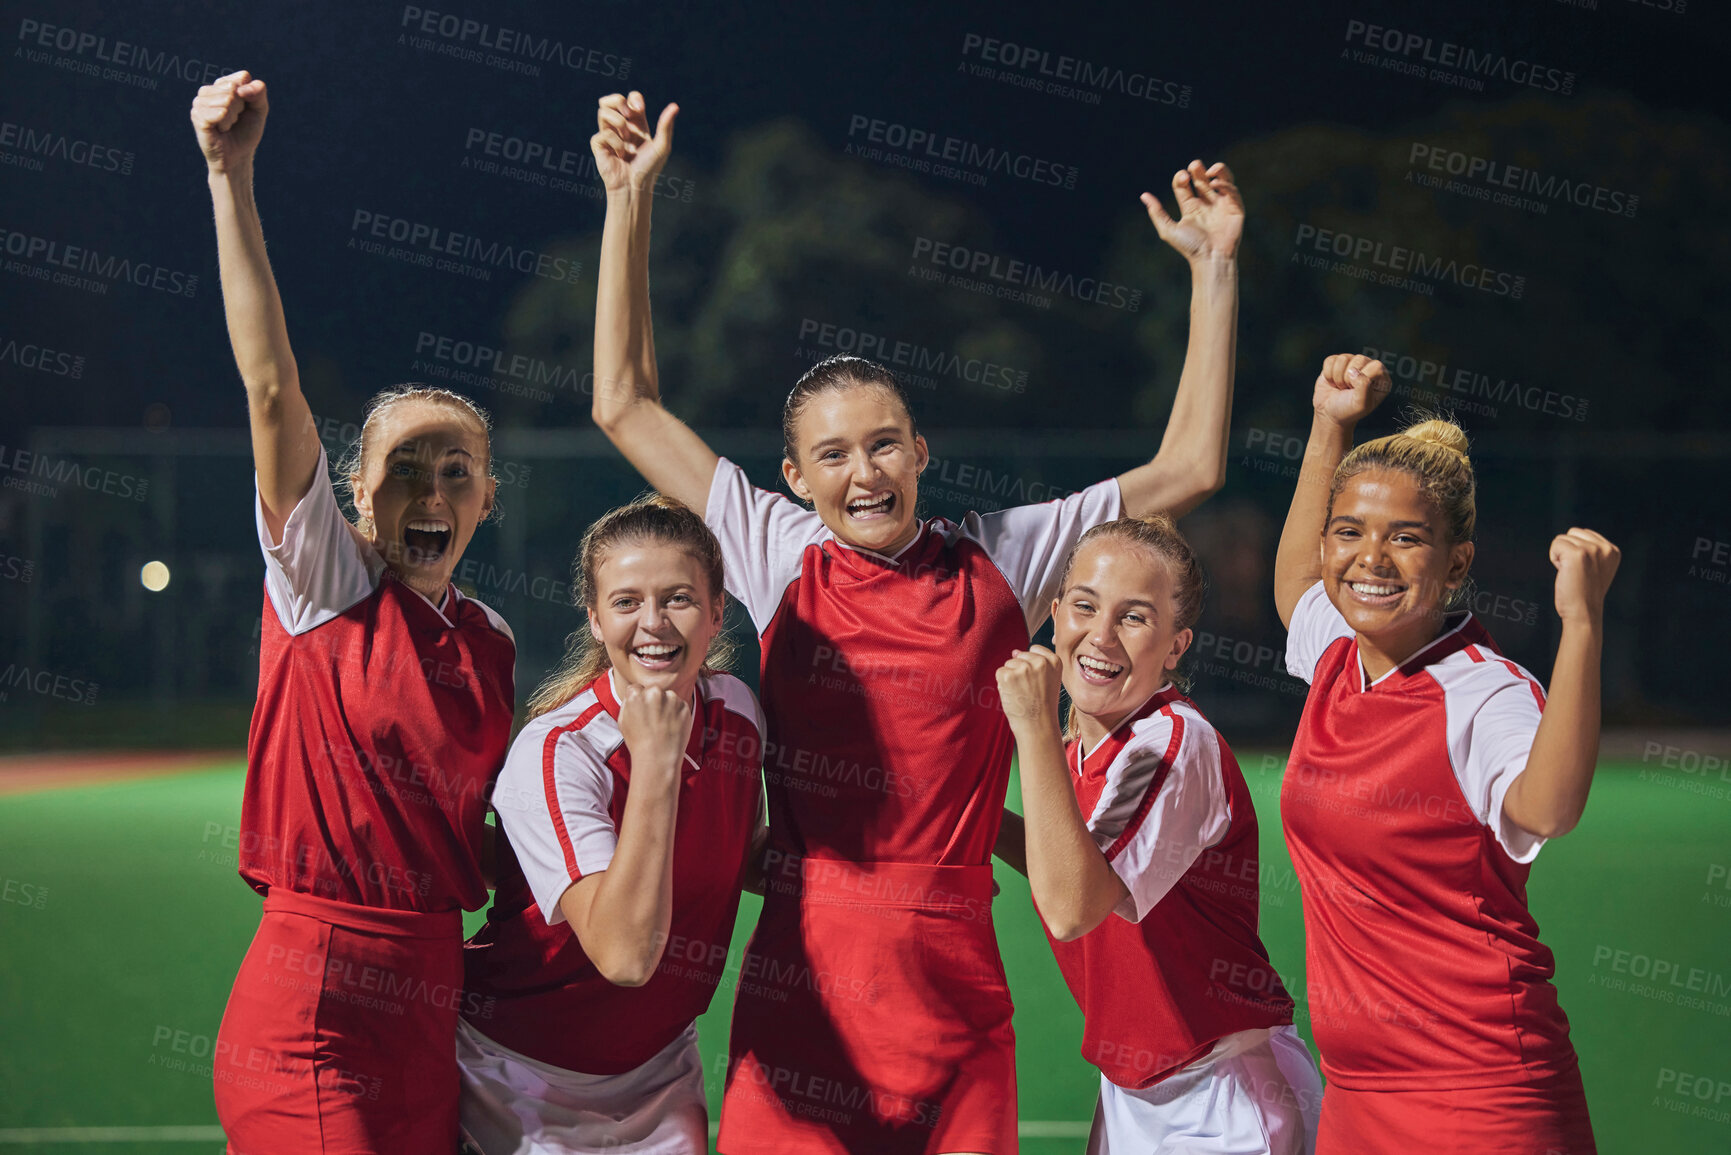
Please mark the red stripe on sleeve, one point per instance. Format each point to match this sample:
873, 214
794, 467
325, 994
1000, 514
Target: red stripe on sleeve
552, 792
1538, 694
1154, 784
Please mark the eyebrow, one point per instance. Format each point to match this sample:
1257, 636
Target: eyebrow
676, 587
1359, 521
1127, 601
413, 447
839, 440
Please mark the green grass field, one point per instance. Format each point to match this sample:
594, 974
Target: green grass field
122, 923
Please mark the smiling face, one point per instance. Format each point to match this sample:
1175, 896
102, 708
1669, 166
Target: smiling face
1388, 566
655, 614
859, 465
1114, 629
424, 488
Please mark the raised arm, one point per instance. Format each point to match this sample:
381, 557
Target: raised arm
1348, 388
228, 117
627, 404
1191, 462
1547, 797
622, 915
1074, 887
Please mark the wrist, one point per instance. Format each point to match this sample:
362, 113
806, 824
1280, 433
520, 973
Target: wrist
1030, 731
1332, 427
630, 195
234, 172
1214, 266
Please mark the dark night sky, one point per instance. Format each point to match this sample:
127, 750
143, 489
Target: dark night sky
361, 122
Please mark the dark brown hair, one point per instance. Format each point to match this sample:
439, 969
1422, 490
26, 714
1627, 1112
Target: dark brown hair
654, 518
833, 374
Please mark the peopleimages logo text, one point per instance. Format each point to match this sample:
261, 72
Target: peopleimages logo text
1451, 59
1401, 259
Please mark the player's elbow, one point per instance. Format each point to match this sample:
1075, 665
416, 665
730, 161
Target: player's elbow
612, 403
1550, 826
627, 968
1066, 931
1068, 925
1209, 478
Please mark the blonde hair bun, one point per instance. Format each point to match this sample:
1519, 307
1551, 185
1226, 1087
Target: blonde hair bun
1439, 431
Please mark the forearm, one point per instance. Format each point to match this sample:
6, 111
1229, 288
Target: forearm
1191, 462
1548, 797
257, 329
1298, 561
1074, 886
626, 926
1012, 844
624, 332
284, 445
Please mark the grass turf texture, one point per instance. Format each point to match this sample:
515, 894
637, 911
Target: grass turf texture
122, 923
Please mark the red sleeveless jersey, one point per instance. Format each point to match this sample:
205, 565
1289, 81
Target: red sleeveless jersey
380, 722
1178, 966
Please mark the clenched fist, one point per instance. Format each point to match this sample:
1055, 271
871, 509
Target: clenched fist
1028, 688
1586, 562
656, 725
228, 117
1349, 387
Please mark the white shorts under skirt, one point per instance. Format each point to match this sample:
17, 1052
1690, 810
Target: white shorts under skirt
513, 1105
1256, 1093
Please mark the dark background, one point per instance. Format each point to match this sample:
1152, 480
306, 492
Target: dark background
1600, 393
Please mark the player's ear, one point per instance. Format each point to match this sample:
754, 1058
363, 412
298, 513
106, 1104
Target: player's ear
595, 629
922, 455
487, 504
795, 480
1460, 562
1180, 643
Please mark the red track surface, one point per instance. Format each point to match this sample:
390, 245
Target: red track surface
23, 773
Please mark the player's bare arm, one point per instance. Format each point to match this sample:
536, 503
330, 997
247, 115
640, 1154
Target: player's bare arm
1349, 387
228, 118
1548, 797
622, 915
627, 404
1191, 462
1074, 886
1011, 847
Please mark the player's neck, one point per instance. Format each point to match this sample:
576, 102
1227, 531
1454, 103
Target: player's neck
1385, 652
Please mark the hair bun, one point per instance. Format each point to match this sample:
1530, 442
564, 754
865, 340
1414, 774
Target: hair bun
1439, 431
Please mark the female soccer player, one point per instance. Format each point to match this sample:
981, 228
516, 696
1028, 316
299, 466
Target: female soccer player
1427, 772
1141, 851
384, 710
886, 1023
630, 802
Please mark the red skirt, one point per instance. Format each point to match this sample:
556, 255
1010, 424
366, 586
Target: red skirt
1546, 1117
340, 1033
872, 1015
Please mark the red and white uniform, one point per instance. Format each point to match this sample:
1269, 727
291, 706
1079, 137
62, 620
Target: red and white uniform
1430, 993
882, 1021
380, 722
555, 1057
1187, 1021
